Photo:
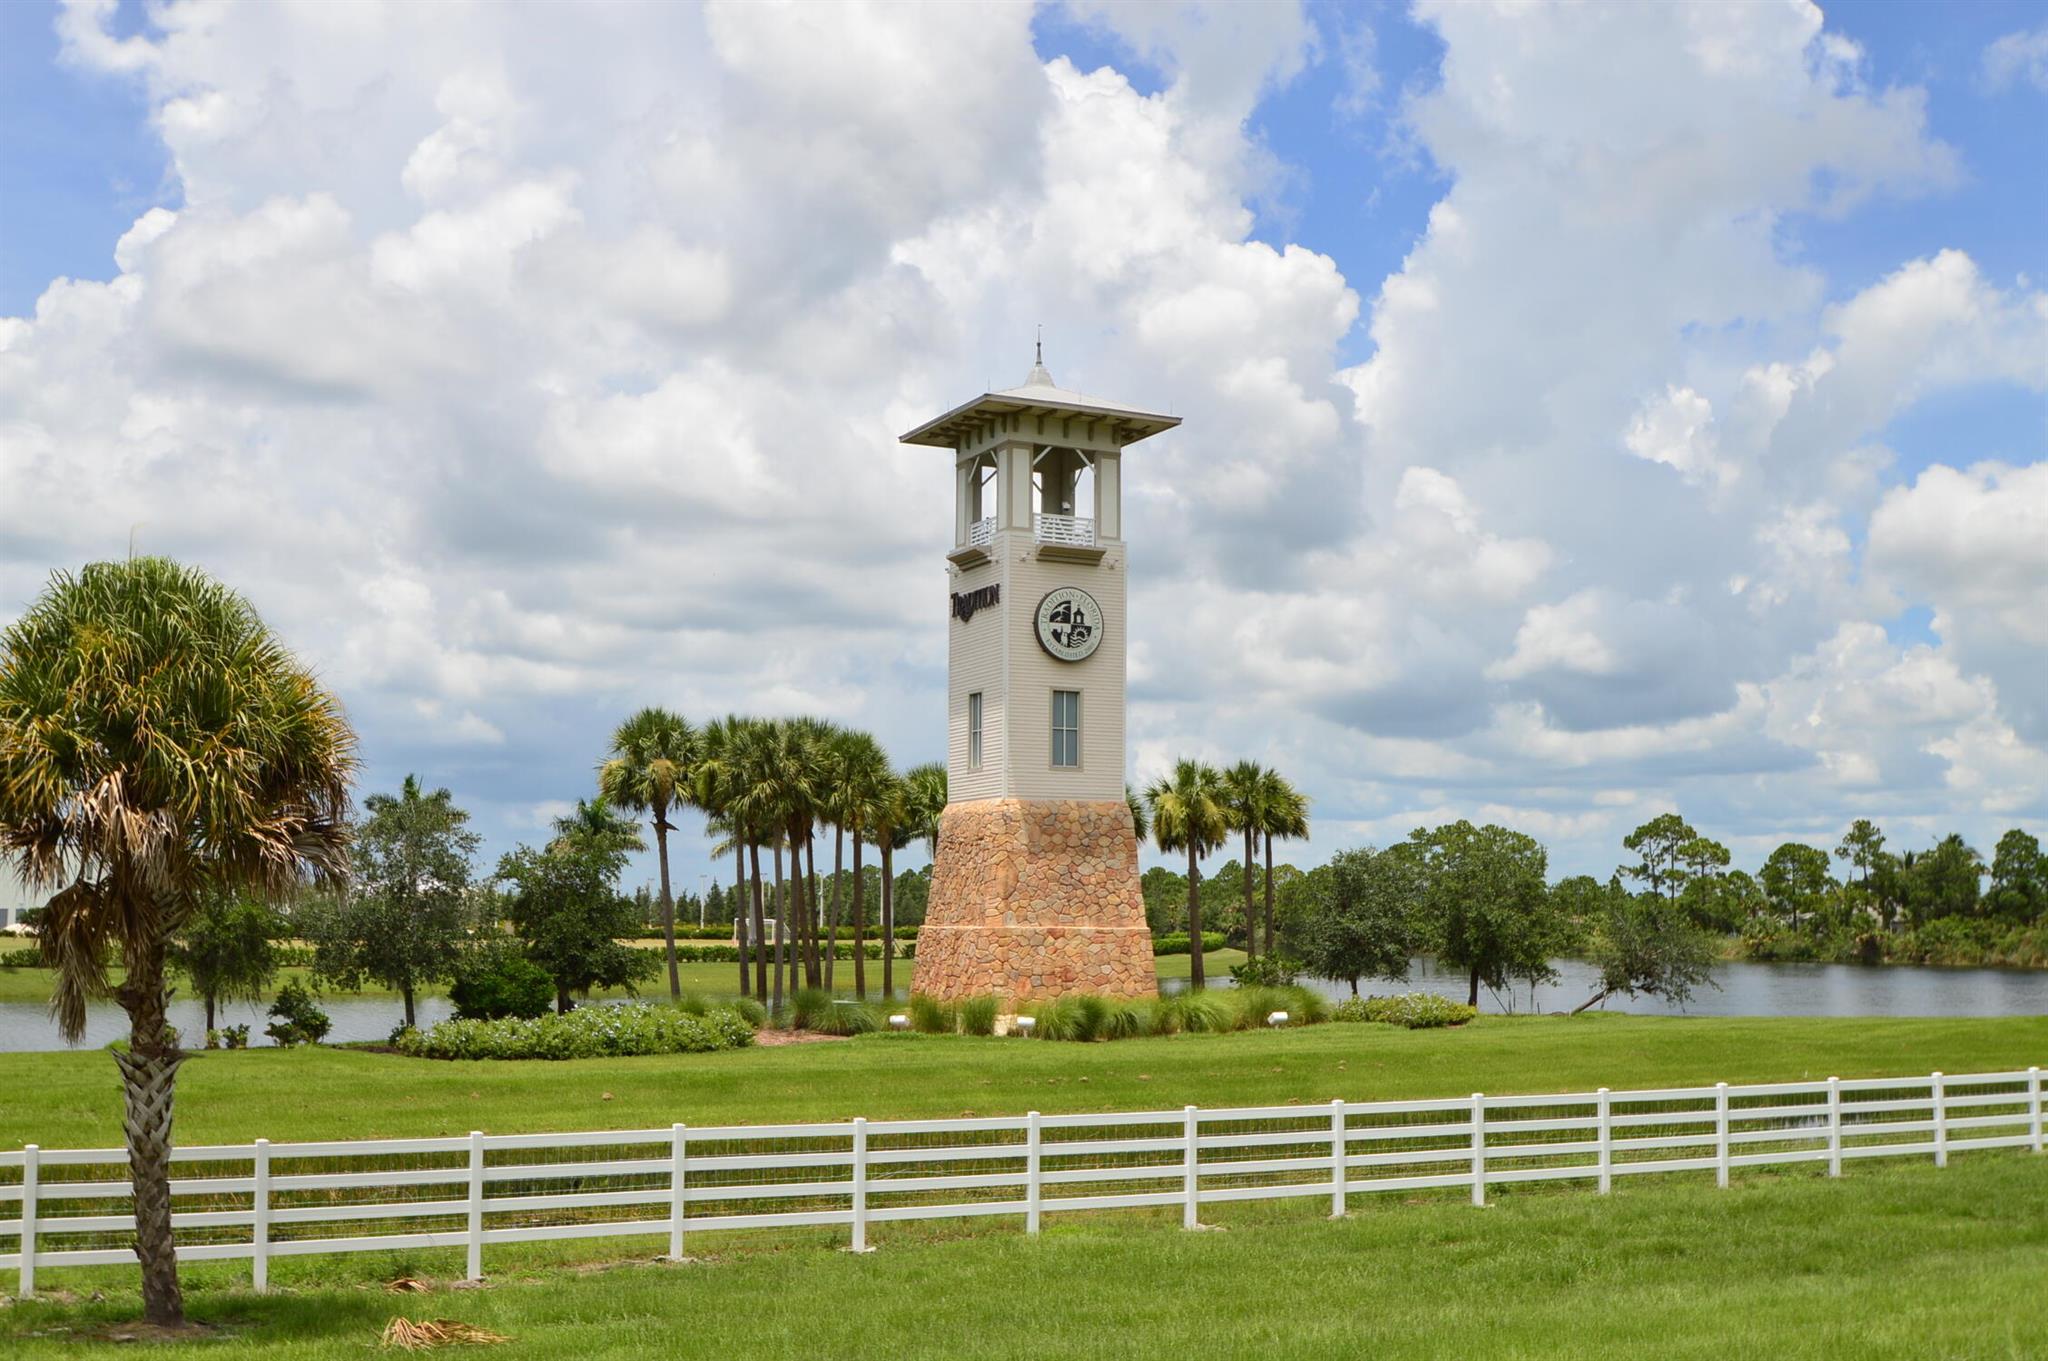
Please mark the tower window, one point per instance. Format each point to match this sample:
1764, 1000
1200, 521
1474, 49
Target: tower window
1066, 728
974, 731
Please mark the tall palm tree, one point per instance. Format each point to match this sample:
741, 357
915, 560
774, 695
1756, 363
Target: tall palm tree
728, 749
1243, 802
723, 838
895, 828
649, 770
1283, 812
1187, 815
596, 823
157, 744
861, 775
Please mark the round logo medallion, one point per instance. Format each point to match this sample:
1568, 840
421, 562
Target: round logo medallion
1069, 624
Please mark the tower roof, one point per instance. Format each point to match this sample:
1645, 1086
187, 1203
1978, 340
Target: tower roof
1038, 395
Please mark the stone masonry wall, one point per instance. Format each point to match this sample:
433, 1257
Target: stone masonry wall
1033, 899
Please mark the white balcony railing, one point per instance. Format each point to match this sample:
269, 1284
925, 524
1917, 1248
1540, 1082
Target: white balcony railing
982, 532
1070, 530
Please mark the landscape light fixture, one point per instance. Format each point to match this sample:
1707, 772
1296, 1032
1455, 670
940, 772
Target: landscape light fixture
1277, 1019
1025, 1025
899, 1022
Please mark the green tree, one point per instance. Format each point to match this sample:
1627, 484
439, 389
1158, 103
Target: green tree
1671, 854
157, 744
925, 796
1243, 797
1944, 882
650, 769
1644, 945
862, 786
1862, 846
1283, 812
565, 905
404, 917
1486, 907
1141, 821
1187, 814
720, 752
1361, 921
2019, 878
1796, 880
228, 950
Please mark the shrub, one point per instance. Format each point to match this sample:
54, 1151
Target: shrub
754, 1013
1176, 942
1412, 1011
1124, 1019
587, 1032
235, 1036
978, 1015
500, 982
1267, 971
31, 958
1254, 1005
295, 1018
930, 1016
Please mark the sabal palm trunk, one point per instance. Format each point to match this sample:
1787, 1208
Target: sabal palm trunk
668, 903
1270, 947
838, 873
1195, 976
860, 927
888, 922
781, 926
1251, 926
815, 977
149, 1074
760, 929
739, 882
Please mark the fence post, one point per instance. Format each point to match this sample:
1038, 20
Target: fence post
31, 1159
1190, 1176
1721, 1134
476, 1205
259, 1249
1034, 1192
860, 1183
1834, 1127
1939, 1097
1339, 1174
2034, 1103
1478, 1149
1605, 1115
678, 1151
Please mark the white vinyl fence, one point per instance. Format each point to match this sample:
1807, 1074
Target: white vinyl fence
261, 1201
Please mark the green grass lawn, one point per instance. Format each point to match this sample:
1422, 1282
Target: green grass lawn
1893, 1260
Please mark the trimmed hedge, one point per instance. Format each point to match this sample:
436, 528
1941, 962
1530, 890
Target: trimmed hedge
1411, 1011
1176, 943
730, 954
585, 1033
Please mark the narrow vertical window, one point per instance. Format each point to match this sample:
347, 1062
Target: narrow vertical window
1066, 727
974, 731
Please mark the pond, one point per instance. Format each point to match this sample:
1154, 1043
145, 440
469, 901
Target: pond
1757, 990
1746, 990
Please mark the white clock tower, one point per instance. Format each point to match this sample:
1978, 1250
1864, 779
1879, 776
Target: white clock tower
1035, 891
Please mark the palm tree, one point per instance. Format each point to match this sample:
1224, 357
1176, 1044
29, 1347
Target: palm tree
726, 748
895, 828
861, 776
1243, 802
1141, 823
157, 744
596, 823
649, 770
925, 797
1187, 815
1283, 811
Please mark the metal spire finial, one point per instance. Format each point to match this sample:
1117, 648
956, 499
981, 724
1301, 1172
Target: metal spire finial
1039, 377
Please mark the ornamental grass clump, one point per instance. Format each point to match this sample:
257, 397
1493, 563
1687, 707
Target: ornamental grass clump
1256, 1005
930, 1016
978, 1015
1195, 1013
586, 1033
807, 1007
848, 1018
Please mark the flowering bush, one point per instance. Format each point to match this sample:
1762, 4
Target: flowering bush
1414, 1010
586, 1033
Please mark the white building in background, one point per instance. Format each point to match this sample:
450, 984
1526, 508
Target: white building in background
1035, 886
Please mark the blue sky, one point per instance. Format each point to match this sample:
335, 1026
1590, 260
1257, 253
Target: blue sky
1483, 514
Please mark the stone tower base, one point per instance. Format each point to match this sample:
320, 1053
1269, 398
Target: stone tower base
1035, 898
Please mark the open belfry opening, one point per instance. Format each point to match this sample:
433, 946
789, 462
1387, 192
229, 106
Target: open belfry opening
1035, 887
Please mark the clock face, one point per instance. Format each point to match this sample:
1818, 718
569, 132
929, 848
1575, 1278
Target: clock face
1069, 624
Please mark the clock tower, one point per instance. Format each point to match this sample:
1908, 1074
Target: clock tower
1035, 887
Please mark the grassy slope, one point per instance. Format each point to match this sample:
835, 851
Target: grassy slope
73, 1099
1794, 1268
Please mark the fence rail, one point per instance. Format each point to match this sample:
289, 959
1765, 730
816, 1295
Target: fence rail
264, 1200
